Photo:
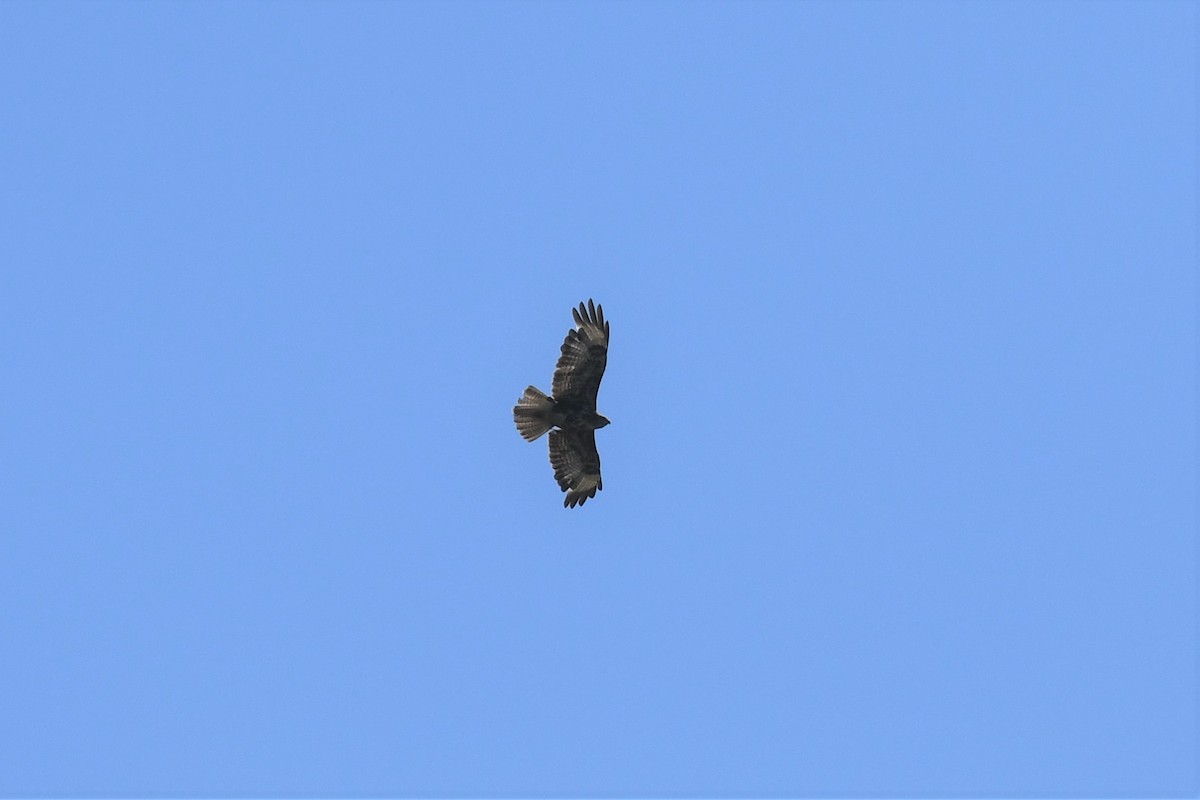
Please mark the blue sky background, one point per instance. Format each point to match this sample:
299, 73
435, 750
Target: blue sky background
900, 490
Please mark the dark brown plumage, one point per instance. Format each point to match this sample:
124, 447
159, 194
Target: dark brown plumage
571, 412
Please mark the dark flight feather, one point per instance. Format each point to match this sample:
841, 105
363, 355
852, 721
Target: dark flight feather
584, 357
576, 464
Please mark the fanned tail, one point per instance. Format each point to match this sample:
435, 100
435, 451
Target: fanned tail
529, 413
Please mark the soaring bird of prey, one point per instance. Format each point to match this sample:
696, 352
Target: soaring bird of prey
571, 412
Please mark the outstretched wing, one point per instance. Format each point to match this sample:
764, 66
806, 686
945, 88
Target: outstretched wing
584, 355
576, 464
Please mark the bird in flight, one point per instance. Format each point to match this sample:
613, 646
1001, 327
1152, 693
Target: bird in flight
571, 412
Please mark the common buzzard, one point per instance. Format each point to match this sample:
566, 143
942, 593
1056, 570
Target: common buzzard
572, 409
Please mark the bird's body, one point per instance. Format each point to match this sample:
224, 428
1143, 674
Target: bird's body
570, 414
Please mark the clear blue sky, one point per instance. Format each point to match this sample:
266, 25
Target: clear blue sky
900, 494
